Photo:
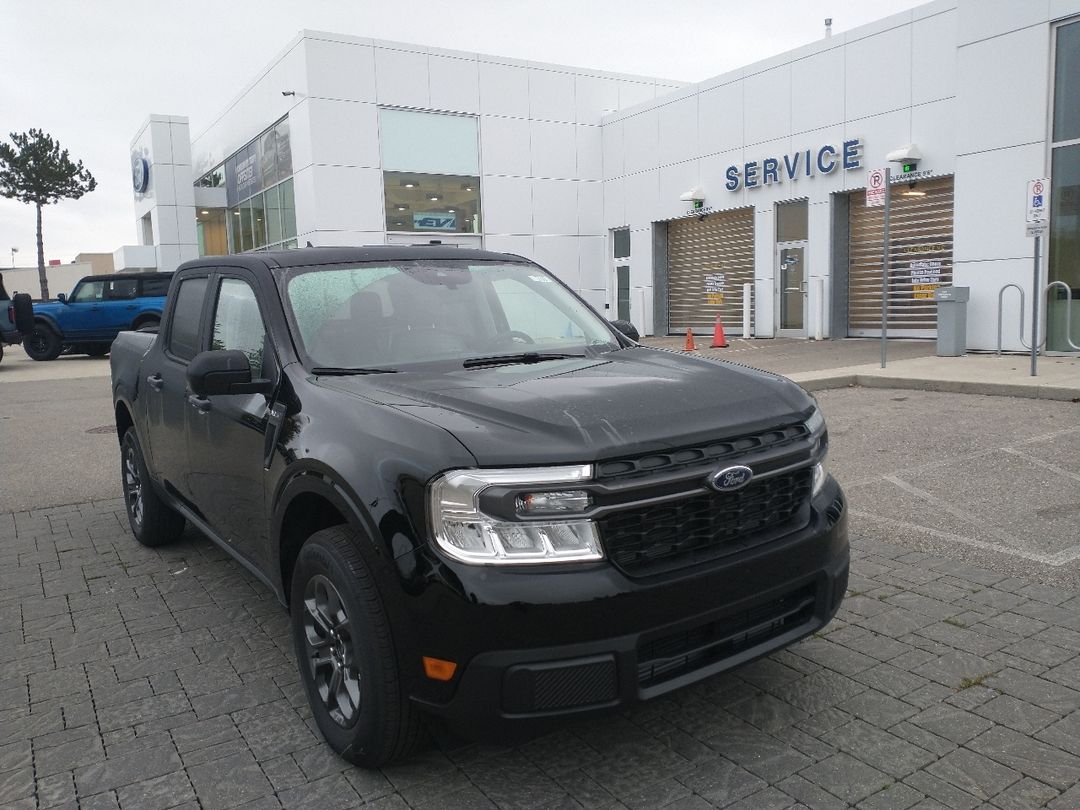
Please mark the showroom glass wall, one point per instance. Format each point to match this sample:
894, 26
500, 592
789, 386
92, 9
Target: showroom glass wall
431, 172
261, 208
1064, 254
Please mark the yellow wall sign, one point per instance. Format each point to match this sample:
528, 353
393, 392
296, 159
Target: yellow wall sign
924, 291
714, 298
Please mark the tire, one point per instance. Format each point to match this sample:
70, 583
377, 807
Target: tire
152, 521
1, 352
148, 326
96, 349
332, 585
43, 343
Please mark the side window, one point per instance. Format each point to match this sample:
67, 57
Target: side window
184, 332
123, 289
156, 286
89, 291
238, 324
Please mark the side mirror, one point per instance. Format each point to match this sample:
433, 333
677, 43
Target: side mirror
627, 329
226, 371
61, 298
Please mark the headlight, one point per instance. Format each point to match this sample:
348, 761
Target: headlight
469, 535
816, 422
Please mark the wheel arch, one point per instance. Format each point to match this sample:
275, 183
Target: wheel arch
146, 316
312, 500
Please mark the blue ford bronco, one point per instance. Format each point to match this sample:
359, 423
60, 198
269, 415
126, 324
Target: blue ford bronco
99, 308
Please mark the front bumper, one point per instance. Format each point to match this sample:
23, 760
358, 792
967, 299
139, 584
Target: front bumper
577, 642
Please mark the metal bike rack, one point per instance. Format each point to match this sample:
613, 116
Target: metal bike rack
1068, 312
1046, 291
1001, 295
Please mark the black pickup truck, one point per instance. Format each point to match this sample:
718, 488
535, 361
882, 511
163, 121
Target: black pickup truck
479, 500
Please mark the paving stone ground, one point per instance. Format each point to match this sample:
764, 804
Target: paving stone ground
147, 679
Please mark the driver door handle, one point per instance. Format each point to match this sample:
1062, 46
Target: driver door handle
201, 404
155, 381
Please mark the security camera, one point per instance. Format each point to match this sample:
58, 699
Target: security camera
696, 194
909, 156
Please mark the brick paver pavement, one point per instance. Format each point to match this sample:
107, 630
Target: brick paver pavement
150, 679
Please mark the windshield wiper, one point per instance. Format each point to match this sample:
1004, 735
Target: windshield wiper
334, 371
510, 359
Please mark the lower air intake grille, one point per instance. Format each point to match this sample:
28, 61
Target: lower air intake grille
671, 656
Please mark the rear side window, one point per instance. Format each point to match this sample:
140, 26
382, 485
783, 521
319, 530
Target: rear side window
184, 333
156, 286
122, 289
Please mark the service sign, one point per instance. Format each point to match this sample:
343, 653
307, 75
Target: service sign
1038, 206
434, 221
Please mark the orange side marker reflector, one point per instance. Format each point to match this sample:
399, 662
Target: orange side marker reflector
438, 669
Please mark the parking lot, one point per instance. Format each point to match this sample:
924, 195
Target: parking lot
140, 678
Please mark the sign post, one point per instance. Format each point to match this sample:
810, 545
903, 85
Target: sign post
879, 193
1037, 223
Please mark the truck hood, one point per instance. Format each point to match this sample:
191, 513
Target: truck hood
626, 402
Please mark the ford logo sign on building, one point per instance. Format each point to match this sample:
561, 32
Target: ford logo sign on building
730, 479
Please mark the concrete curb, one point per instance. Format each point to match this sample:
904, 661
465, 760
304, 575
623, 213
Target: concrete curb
992, 389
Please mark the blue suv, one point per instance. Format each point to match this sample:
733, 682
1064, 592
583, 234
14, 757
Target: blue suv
99, 308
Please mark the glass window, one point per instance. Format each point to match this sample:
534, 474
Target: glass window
1067, 83
215, 178
258, 221
157, 284
238, 324
288, 210
184, 333
247, 235
432, 203
791, 221
122, 289
235, 242
211, 230
89, 291
432, 143
529, 314
272, 213
620, 243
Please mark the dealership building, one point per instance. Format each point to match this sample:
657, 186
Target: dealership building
665, 202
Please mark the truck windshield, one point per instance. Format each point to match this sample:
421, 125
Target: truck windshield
389, 316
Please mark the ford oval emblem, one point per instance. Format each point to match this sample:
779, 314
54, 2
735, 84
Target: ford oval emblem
730, 479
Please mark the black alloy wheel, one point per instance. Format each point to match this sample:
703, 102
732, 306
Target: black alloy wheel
331, 652
152, 521
43, 343
345, 651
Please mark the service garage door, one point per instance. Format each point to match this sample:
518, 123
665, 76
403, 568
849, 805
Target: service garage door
709, 260
920, 259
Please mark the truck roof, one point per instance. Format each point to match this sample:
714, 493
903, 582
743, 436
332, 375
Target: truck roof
303, 257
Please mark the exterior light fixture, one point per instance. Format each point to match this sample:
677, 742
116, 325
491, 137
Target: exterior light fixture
204, 212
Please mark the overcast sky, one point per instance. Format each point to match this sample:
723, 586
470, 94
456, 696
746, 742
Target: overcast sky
89, 72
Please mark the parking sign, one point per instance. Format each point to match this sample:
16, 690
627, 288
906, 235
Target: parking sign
1038, 206
875, 187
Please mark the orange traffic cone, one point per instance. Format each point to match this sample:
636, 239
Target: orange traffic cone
690, 347
718, 339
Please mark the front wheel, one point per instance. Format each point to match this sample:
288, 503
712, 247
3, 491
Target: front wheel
345, 651
43, 343
152, 521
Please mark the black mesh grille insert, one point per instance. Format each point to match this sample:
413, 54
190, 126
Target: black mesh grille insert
559, 685
652, 539
665, 658
705, 454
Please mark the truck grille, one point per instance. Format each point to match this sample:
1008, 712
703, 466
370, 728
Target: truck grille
740, 446
652, 539
668, 657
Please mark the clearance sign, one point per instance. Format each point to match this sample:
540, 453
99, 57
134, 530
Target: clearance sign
823, 160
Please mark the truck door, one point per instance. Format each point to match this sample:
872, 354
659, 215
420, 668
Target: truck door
165, 384
120, 305
84, 309
226, 435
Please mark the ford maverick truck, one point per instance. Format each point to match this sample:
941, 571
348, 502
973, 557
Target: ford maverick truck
98, 309
480, 501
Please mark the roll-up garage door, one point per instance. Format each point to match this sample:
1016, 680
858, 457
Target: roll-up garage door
709, 260
920, 259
